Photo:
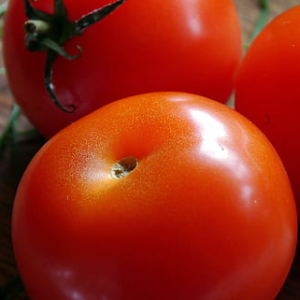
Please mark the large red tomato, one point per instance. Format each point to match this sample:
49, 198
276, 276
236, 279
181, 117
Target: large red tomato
160, 196
268, 89
142, 46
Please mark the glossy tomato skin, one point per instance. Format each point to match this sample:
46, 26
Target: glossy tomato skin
207, 213
268, 90
143, 46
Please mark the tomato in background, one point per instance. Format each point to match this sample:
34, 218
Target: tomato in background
205, 210
268, 89
142, 46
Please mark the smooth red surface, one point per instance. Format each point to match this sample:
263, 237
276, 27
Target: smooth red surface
268, 89
208, 213
143, 46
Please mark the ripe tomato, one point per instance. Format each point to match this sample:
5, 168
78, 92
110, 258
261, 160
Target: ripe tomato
268, 89
159, 196
142, 46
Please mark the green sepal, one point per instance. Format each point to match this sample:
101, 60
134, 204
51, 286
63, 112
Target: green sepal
35, 14
59, 31
52, 45
95, 16
51, 55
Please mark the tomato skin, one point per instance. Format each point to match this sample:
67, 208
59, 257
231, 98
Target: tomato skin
268, 90
143, 46
208, 213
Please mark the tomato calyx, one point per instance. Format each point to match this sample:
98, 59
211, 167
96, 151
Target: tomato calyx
49, 32
123, 167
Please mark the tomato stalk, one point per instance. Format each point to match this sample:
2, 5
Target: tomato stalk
36, 26
49, 32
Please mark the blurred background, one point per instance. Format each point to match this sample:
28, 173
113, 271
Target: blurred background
25, 141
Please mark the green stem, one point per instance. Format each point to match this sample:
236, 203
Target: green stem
36, 26
10, 126
15, 149
28, 132
262, 19
10, 138
2, 71
3, 8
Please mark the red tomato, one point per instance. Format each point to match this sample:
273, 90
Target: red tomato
143, 46
268, 89
204, 210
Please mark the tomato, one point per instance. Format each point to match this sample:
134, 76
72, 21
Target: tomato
158, 196
268, 89
142, 46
